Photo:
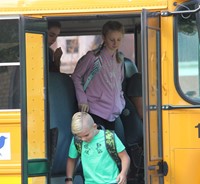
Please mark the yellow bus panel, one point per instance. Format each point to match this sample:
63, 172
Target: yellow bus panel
41, 6
35, 92
10, 153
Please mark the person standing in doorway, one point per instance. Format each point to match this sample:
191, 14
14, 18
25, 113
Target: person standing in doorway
134, 92
54, 28
98, 78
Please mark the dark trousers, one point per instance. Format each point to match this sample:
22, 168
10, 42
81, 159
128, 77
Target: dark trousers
110, 125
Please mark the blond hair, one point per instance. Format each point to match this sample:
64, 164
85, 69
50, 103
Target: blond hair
80, 120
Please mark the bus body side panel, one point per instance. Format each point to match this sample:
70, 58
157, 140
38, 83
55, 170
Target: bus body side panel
185, 149
77, 6
10, 147
181, 140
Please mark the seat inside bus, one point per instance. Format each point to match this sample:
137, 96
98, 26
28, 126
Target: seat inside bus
133, 128
62, 106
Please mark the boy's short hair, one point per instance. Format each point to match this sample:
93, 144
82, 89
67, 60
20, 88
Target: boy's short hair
77, 122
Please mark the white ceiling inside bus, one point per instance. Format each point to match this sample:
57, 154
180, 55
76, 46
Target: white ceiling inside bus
93, 24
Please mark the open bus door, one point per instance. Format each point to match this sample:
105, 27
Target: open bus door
35, 159
151, 74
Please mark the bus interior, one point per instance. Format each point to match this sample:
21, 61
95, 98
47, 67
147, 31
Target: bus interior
85, 33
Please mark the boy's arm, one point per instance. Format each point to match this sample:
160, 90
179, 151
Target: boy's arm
70, 168
137, 101
125, 164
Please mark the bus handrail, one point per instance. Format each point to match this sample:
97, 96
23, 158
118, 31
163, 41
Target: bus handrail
168, 13
172, 107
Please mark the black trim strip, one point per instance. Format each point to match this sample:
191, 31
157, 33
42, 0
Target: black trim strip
172, 107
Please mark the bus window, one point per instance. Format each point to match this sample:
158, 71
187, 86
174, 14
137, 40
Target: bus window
74, 47
9, 64
188, 55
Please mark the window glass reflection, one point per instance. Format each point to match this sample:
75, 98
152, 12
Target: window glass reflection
9, 87
9, 41
188, 55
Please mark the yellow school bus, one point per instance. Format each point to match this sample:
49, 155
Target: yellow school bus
162, 39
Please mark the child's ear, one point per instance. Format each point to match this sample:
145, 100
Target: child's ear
95, 125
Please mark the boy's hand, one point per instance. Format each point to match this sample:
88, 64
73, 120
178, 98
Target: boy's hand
121, 179
57, 55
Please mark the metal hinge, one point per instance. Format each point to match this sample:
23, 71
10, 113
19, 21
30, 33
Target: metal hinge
161, 167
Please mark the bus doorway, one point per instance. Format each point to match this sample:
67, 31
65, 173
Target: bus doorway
34, 126
152, 120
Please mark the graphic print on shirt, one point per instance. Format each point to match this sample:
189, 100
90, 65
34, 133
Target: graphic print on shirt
98, 148
87, 149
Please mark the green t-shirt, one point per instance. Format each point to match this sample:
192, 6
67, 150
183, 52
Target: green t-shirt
98, 166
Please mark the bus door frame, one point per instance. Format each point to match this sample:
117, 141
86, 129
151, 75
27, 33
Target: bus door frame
33, 167
151, 79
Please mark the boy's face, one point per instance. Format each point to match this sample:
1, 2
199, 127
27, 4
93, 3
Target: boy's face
87, 133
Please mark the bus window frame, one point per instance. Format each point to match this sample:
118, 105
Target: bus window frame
176, 61
29, 166
12, 64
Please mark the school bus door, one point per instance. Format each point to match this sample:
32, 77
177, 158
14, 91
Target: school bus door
35, 162
151, 74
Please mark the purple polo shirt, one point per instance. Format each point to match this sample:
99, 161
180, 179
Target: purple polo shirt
104, 93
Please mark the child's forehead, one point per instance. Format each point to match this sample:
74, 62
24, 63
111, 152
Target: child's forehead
85, 131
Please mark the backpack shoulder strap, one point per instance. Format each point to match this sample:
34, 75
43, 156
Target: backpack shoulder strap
78, 144
111, 147
96, 68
